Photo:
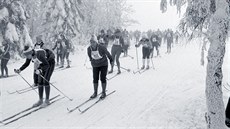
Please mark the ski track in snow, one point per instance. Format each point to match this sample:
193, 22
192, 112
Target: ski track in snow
170, 97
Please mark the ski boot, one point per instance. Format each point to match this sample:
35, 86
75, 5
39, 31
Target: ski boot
38, 103
143, 67
119, 71
103, 95
94, 95
147, 67
45, 103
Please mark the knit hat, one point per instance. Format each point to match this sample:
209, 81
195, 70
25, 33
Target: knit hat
93, 39
27, 50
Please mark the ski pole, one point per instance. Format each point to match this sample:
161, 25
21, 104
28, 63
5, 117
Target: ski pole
137, 59
124, 68
25, 80
130, 56
54, 87
152, 63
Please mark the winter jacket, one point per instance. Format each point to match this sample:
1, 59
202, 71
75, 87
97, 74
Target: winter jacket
39, 56
145, 43
59, 49
103, 52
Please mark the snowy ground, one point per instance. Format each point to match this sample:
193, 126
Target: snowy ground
170, 97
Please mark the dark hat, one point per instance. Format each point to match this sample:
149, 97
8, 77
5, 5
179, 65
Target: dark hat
117, 31
102, 31
27, 50
40, 43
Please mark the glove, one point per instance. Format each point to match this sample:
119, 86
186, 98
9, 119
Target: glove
136, 45
38, 71
17, 70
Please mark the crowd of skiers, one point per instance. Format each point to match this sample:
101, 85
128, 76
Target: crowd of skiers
118, 40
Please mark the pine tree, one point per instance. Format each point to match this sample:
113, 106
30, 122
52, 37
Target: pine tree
210, 17
12, 25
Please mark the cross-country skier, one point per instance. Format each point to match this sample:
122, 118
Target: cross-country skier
5, 57
38, 56
146, 50
118, 44
59, 50
66, 50
155, 44
98, 55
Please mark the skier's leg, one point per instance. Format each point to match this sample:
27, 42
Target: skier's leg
103, 80
40, 92
6, 68
118, 53
67, 59
95, 81
2, 67
113, 52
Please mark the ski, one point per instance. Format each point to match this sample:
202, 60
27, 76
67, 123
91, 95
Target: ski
83, 111
73, 109
142, 71
32, 111
115, 75
138, 71
22, 90
23, 111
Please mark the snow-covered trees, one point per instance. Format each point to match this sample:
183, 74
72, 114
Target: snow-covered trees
12, 24
105, 14
210, 17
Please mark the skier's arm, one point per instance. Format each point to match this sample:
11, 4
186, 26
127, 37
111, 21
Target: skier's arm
25, 65
7, 49
89, 53
54, 46
107, 54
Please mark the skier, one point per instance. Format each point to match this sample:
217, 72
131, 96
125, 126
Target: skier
169, 40
126, 43
98, 55
146, 50
38, 56
59, 50
117, 48
51, 60
155, 44
103, 39
66, 50
5, 57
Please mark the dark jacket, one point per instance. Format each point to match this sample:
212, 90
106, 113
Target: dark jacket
41, 56
103, 52
59, 49
6, 53
155, 40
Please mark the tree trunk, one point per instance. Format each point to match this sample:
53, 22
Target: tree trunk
215, 116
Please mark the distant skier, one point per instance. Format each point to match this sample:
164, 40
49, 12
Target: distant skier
126, 42
98, 55
66, 50
146, 50
103, 39
155, 44
59, 50
5, 57
118, 44
38, 56
169, 40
